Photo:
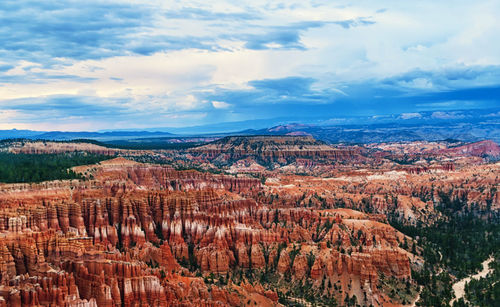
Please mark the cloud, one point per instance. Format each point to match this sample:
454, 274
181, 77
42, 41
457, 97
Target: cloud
42, 77
113, 63
299, 96
447, 115
6, 67
220, 104
262, 94
54, 33
279, 37
94, 29
410, 115
57, 107
49, 33
286, 86
204, 14
79, 112
447, 78
73, 29
351, 23
289, 36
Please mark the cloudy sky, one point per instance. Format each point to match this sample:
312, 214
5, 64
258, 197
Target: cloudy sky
89, 65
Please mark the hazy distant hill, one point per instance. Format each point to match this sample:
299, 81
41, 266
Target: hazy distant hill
390, 133
64, 135
18, 134
465, 125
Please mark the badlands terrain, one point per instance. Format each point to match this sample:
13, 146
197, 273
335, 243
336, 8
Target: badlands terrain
249, 221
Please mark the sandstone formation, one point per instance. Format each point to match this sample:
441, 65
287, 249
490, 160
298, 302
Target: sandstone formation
272, 148
136, 234
479, 149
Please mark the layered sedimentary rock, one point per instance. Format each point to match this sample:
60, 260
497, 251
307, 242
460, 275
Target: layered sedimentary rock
143, 234
274, 148
479, 149
118, 240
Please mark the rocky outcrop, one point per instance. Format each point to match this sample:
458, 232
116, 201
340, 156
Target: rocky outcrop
95, 243
478, 149
273, 148
152, 235
449, 166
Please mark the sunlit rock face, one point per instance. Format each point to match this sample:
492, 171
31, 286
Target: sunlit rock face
273, 149
120, 239
142, 234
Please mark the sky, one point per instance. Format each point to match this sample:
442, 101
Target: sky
90, 65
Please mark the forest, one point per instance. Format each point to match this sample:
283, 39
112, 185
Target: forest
485, 291
20, 168
455, 246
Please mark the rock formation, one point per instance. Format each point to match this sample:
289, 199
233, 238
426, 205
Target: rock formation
137, 234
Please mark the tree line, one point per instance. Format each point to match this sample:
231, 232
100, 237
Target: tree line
24, 168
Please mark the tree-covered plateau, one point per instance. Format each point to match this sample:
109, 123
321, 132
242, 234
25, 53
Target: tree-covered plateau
25, 168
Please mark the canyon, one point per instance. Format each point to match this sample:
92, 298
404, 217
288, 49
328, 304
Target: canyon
283, 219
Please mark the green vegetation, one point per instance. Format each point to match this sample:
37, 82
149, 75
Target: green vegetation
19, 168
456, 244
459, 243
399, 290
404, 160
290, 292
186, 165
165, 143
149, 144
138, 144
485, 291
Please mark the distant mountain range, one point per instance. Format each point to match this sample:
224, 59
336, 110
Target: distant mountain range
67, 135
465, 125
467, 132
469, 126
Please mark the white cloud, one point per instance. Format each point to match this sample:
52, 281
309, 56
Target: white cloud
418, 83
423, 35
220, 104
410, 115
446, 115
